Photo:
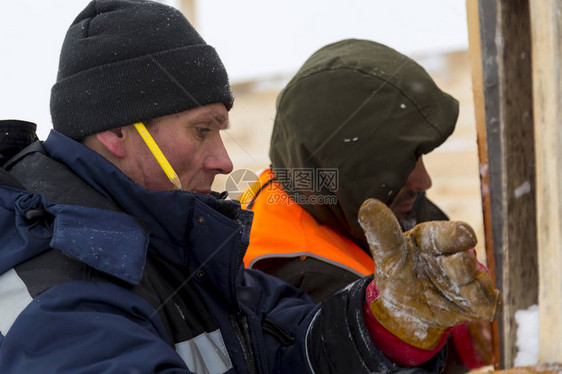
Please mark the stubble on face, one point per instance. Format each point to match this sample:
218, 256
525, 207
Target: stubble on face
403, 207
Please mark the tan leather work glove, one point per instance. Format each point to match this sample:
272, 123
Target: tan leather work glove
426, 279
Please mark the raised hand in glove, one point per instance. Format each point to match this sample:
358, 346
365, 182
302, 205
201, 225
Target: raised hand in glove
426, 278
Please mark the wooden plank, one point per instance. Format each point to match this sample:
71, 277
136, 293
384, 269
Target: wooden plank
506, 61
487, 11
475, 56
490, 76
189, 9
519, 250
547, 86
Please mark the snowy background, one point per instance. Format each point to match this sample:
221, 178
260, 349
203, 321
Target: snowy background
256, 39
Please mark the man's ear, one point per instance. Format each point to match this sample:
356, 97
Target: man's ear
114, 141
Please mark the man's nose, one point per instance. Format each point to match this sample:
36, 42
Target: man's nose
419, 179
218, 158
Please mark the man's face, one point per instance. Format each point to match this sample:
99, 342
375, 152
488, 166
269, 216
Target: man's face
191, 142
418, 181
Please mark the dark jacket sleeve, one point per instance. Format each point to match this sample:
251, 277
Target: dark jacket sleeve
319, 279
88, 327
330, 337
340, 328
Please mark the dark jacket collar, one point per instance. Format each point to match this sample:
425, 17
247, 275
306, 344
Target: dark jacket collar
167, 214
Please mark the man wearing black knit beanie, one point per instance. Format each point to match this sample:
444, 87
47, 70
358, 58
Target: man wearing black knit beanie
117, 257
128, 61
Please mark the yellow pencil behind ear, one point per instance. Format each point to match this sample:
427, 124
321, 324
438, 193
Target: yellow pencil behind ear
158, 155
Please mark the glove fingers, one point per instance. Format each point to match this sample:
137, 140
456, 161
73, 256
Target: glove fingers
459, 280
484, 299
441, 271
382, 231
444, 237
427, 303
444, 312
460, 267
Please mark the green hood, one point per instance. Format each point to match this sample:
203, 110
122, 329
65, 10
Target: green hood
366, 110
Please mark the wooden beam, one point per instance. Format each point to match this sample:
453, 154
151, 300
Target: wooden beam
546, 26
519, 251
487, 12
475, 56
490, 75
507, 76
189, 9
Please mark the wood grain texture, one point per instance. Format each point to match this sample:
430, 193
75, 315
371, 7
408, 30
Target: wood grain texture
189, 9
475, 54
546, 29
520, 269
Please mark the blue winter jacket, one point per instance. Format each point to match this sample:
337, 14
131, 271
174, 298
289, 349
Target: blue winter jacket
99, 275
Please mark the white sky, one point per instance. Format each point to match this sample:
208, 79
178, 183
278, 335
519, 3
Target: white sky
255, 38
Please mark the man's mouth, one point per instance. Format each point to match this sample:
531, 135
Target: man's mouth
404, 202
406, 205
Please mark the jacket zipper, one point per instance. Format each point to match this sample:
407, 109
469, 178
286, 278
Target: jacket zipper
240, 326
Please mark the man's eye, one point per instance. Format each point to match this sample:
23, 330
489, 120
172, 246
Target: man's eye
202, 130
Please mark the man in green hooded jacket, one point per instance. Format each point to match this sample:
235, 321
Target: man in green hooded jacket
352, 124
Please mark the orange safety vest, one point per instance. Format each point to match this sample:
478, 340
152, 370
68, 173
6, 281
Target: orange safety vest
281, 228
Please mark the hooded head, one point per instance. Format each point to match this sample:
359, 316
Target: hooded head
126, 61
365, 110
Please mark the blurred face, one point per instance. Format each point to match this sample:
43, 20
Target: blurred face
191, 142
418, 181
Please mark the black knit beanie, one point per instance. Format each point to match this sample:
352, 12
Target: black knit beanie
125, 61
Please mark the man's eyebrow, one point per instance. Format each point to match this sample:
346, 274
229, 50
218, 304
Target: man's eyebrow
217, 118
